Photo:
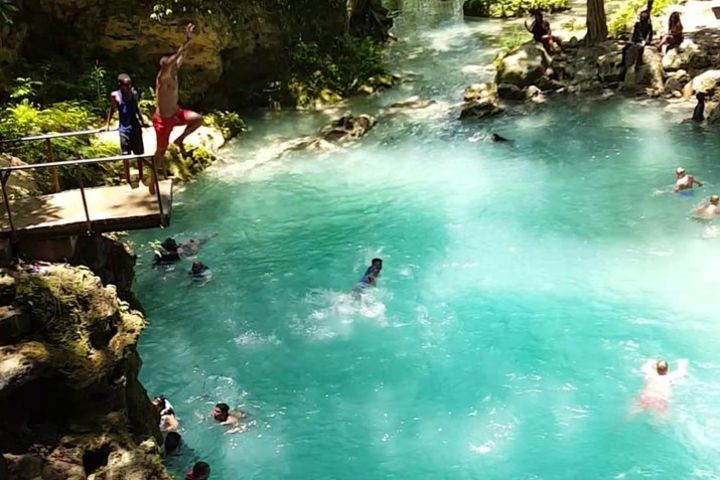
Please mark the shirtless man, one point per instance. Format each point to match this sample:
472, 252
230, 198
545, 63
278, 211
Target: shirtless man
658, 382
221, 413
709, 210
168, 114
683, 181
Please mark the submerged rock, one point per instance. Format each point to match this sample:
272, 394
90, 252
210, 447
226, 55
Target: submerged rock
70, 400
675, 83
480, 91
478, 109
348, 127
509, 91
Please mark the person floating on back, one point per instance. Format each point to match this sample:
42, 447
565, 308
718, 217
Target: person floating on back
709, 210
699, 112
541, 32
199, 471
658, 385
684, 182
370, 278
168, 114
125, 101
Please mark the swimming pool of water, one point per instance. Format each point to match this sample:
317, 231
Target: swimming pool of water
523, 288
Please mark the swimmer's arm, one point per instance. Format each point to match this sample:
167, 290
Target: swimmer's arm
697, 182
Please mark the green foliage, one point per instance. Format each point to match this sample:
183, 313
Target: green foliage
510, 8
229, 123
193, 162
25, 118
513, 37
327, 74
6, 11
24, 88
621, 21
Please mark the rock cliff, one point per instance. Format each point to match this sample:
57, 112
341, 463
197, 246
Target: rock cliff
70, 400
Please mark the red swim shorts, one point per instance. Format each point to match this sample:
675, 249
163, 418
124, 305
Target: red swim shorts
164, 126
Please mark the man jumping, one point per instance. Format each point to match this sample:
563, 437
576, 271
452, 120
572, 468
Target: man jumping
168, 114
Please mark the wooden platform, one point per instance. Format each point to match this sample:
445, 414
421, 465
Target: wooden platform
110, 208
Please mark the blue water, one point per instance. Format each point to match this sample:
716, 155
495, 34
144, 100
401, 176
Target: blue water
522, 290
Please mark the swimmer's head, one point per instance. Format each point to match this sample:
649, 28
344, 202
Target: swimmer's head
169, 244
714, 200
159, 403
662, 367
679, 171
700, 96
200, 471
644, 16
221, 412
377, 263
172, 442
197, 267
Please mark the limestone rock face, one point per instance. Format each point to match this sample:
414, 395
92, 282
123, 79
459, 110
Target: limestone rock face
687, 55
348, 127
676, 82
69, 396
480, 91
706, 82
523, 67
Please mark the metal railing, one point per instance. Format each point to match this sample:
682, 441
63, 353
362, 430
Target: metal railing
148, 160
49, 137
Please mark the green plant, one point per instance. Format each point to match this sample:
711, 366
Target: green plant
24, 88
510, 8
229, 123
621, 21
7, 9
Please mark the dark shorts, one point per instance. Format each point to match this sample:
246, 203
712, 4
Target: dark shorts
132, 142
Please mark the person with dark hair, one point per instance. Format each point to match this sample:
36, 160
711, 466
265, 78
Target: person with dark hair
199, 471
172, 442
221, 413
168, 419
369, 279
699, 112
674, 37
131, 122
168, 253
541, 32
168, 114
199, 271
496, 138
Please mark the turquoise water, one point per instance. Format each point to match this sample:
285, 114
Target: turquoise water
523, 288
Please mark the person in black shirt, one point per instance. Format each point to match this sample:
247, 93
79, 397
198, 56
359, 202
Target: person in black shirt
541, 32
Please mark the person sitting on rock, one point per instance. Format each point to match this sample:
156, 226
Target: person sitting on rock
674, 37
542, 33
221, 413
199, 471
642, 34
684, 182
709, 210
699, 112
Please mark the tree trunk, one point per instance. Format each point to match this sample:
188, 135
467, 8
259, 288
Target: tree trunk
597, 30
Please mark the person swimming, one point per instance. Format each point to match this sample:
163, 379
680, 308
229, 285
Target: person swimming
658, 384
683, 181
221, 413
168, 419
371, 275
170, 251
496, 138
708, 211
171, 443
199, 471
200, 271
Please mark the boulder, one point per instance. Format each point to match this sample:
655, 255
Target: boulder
508, 91
706, 82
676, 82
651, 70
687, 56
610, 67
524, 66
480, 91
410, 104
348, 128
21, 183
478, 109
713, 112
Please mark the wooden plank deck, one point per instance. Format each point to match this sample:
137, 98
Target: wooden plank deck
111, 209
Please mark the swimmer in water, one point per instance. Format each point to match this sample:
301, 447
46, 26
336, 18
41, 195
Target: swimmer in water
221, 413
683, 181
708, 211
168, 419
199, 270
495, 138
199, 471
370, 278
170, 251
658, 384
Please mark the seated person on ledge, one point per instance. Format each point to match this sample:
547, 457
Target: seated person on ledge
683, 181
199, 471
642, 36
674, 37
371, 275
709, 210
221, 413
542, 33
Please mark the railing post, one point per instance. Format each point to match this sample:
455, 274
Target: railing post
56, 171
3, 181
84, 201
157, 191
